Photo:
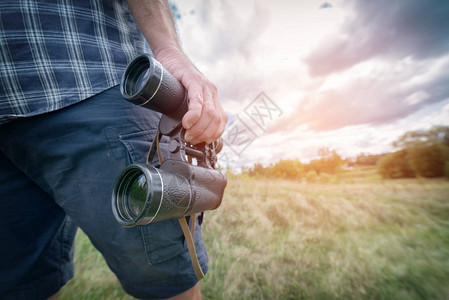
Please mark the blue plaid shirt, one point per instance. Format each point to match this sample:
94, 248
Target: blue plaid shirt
55, 53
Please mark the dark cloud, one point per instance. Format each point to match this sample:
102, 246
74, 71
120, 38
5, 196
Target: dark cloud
385, 28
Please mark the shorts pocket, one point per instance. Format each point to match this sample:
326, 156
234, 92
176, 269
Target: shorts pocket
162, 240
137, 145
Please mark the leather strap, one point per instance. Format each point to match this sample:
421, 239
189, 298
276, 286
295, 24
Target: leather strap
189, 236
159, 153
191, 244
154, 147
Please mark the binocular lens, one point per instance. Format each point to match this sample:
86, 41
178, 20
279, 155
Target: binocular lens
141, 80
137, 195
131, 194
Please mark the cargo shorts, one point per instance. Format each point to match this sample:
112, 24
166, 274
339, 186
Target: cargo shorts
57, 172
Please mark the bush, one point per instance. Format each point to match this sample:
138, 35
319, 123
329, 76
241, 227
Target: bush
426, 161
311, 176
395, 165
326, 178
423, 154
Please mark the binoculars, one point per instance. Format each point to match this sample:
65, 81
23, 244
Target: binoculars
143, 193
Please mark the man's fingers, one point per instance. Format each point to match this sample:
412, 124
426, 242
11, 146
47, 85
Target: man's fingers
195, 108
220, 119
221, 127
205, 127
205, 117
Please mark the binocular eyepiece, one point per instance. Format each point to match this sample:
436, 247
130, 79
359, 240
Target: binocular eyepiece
142, 193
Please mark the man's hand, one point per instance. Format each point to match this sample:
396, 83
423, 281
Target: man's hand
205, 120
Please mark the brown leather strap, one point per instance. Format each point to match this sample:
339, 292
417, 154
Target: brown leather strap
191, 245
192, 225
152, 150
190, 236
155, 149
159, 153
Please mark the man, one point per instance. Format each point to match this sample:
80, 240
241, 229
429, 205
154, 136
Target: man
65, 133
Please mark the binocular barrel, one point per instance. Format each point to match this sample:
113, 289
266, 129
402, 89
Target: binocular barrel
144, 194
147, 83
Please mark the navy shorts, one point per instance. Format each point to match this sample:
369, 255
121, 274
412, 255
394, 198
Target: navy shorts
56, 173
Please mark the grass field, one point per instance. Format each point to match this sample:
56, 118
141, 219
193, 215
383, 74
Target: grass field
359, 239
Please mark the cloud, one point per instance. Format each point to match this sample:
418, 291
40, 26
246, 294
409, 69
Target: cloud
388, 29
217, 30
357, 91
389, 60
304, 145
325, 5
222, 38
381, 96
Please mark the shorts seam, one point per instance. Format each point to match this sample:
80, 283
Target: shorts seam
178, 280
61, 251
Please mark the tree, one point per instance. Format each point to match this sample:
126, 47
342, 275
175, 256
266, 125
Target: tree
395, 165
426, 160
368, 160
329, 161
257, 169
422, 152
289, 169
286, 169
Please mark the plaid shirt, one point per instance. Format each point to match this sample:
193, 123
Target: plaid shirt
55, 53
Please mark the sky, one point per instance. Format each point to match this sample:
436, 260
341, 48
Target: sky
296, 76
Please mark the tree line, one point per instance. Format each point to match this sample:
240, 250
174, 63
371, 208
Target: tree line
419, 154
329, 162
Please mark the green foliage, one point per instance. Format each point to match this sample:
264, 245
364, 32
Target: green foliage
444, 151
288, 169
327, 178
311, 176
422, 154
285, 169
446, 169
367, 160
329, 162
395, 165
426, 161
435, 136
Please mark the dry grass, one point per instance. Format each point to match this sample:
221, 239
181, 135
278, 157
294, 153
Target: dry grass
363, 239
285, 240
